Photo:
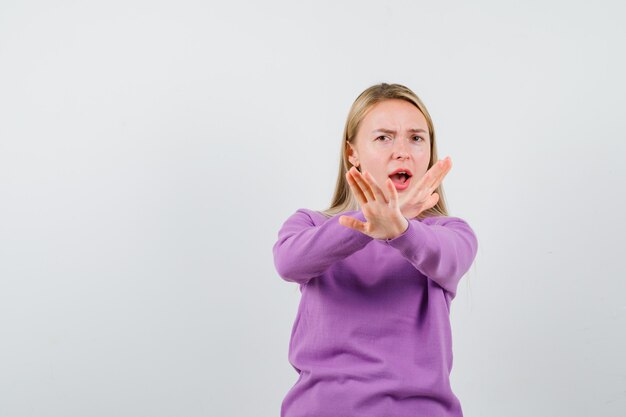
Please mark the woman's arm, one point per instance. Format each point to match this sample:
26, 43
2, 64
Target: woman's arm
441, 248
304, 251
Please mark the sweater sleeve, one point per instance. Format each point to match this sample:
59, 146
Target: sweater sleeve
304, 250
443, 251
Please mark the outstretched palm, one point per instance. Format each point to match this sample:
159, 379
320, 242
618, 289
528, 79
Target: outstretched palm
384, 218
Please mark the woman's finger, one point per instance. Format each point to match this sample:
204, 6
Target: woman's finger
443, 167
429, 183
393, 192
365, 187
380, 194
431, 179
432, 200
356, 189
422, 185
431, 176
352, 223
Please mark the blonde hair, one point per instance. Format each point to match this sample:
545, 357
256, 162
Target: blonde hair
343, 200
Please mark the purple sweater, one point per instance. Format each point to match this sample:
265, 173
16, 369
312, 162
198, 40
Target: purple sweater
372, 333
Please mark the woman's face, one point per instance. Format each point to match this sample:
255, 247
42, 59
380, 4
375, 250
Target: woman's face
393, 135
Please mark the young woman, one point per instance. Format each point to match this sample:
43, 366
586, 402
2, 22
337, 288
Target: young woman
377, 272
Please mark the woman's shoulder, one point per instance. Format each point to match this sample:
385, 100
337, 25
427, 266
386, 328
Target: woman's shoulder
307, 215
443, 220
308, 211
303, 211
450, 222
315, 215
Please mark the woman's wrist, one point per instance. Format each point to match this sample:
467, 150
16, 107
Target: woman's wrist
403, 226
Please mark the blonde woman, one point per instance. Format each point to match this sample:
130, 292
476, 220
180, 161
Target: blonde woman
377, 272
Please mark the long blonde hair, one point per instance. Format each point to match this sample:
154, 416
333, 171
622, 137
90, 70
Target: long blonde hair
343, 200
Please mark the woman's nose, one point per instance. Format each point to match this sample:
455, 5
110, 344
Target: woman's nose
400, 149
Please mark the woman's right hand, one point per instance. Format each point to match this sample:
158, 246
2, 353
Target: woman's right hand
422, 197
382, 212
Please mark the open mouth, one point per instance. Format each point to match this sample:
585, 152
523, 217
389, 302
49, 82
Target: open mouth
401, 179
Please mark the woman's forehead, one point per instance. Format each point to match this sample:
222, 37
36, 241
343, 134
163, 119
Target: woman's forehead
394, 114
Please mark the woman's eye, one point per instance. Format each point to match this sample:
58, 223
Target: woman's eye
416, 138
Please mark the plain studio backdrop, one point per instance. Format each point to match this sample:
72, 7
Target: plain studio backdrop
150, 152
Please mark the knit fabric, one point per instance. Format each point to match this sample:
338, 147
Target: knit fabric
372, 333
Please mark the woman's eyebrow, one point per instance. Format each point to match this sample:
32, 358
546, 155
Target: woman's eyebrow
413, 130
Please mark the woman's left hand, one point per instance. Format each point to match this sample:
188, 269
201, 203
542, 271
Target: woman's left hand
384, 218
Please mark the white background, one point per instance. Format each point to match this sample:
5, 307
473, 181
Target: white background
151, 150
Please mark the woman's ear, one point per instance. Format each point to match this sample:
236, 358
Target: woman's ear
353, 156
